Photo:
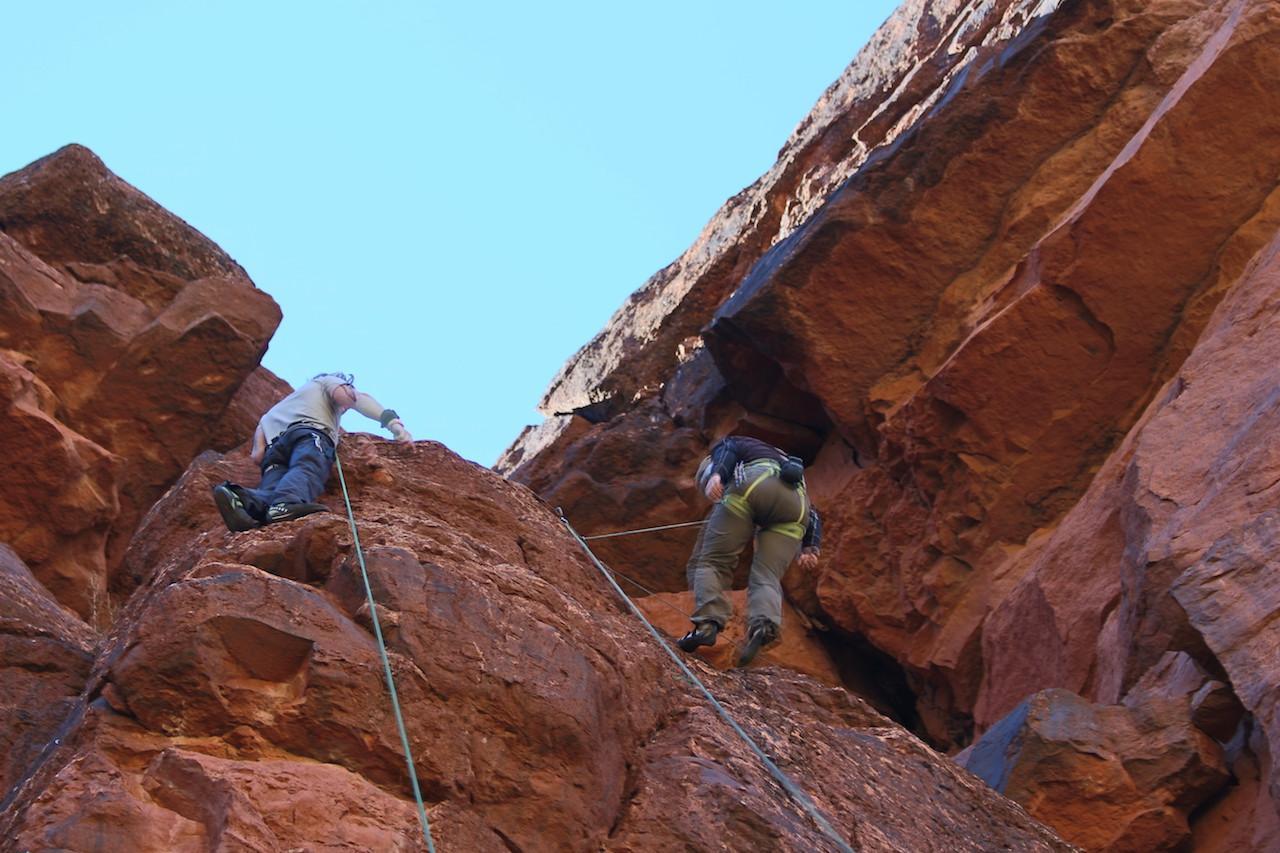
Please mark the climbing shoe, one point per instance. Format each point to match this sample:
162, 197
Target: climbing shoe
232, 510
703, 634
288, 512
757, 639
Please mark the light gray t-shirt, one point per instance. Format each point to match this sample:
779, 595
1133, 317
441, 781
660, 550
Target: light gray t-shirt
310, 404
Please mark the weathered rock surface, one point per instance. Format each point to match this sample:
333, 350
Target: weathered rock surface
126, 333
1010, 291
1106, 777
1019, 332
1185, 531
1243, 816
45, 657
238, 700
261, 390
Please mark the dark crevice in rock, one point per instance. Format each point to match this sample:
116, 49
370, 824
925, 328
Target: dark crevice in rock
874, 676
507, 840
42, 763
630, 788
759, 383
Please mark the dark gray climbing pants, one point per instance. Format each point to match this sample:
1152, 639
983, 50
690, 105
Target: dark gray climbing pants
295, 468
761, 505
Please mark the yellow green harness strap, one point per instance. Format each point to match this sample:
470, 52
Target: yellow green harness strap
740, 505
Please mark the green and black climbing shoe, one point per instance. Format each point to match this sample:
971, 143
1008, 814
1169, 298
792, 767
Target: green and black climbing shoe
232, 510
288, 512
757, 639
703, 634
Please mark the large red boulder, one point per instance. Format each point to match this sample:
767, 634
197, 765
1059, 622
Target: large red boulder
129, 334
1107, 777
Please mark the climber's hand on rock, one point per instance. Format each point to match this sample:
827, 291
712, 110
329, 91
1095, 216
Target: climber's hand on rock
399, 432
715, 489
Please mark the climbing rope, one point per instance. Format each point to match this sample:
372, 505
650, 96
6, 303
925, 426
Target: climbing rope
633, 581
647, 591
801, 798
386, 664
644, 530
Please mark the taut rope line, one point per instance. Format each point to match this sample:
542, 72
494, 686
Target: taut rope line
386, 664
643, 530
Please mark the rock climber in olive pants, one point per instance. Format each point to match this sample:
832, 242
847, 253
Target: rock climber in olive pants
765, 498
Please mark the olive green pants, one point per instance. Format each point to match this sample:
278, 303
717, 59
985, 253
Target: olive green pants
774, 513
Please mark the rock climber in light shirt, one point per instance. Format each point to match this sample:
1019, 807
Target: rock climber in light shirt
295, 444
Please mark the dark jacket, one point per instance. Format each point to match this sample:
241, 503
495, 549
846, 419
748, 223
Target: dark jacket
732, 450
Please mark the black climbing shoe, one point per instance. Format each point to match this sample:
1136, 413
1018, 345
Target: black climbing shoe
288, 512
232, 510
759, 637
703, 634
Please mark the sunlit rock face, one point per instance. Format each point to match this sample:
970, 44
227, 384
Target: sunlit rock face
166, 685
125, 334
238, 701
1007, 291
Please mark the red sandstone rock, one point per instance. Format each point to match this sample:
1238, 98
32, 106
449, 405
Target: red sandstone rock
971, 344
58, 492
1106, 777
625, 475
963, 325
1188, 534
907, 69
260, 390
796, 648
1006, 431
1214, 708
959, 295
1243, 817
46, 653
129, 334
71, 211
242, 696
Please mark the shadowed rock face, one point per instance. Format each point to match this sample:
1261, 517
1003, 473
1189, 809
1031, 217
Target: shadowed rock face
126, 334
1018, 332
46, 653
238, 699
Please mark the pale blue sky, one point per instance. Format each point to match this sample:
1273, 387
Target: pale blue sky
446, 200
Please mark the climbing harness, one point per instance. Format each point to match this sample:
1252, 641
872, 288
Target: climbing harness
386, 663
740, 505
801, 798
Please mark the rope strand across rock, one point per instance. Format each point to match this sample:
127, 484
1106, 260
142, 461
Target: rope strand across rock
386, 663
644, 530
